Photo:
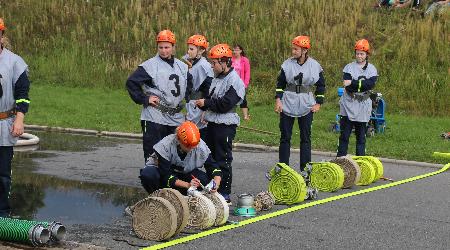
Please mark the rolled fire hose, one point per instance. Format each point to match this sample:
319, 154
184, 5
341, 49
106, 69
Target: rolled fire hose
367, 172
376, 163
222, 208
352, 173
23, 231
180, 204
202, 213
326, 176
154, 218
264, 201
286, 185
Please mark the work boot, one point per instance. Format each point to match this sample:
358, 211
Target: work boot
227, 199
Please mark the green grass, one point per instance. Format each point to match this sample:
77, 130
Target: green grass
99, 43
407, 137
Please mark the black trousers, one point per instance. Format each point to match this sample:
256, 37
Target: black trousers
151, 180
220, 142
152, 133
346, 131
6, 155
286, 125
204, 134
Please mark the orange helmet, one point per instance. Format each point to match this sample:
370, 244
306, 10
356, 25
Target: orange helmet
198, 40
363, 45
302, 41
2, 24
219, 51
188, 134
166, 36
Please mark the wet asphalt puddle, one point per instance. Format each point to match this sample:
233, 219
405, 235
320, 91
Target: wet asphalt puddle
43, 197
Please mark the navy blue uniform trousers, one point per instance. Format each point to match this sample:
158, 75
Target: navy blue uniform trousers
6, 155
346, 131
220, 142
286, 125
152, 133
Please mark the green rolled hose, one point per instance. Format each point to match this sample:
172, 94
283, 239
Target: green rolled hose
326, 176
367, 172
23, 231
286, 185
376, 163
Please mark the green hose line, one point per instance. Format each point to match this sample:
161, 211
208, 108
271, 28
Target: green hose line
367, 172
378, 166
442, 155
286, 185
326, 176
23, 231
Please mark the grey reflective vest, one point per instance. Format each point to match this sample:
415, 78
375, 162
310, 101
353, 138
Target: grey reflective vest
167, 148
199, 71
299, 104
220, 86
170, 84
12, 67
356, 109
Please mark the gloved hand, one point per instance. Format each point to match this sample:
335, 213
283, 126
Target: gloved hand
211, 187
192, 191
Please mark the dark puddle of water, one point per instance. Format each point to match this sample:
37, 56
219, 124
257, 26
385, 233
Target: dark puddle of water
48, 198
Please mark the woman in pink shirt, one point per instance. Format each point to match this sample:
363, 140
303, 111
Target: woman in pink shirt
241, 64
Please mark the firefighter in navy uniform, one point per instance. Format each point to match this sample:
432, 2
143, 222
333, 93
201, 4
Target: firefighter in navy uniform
14, 103
202, 76
359, 77
160, 84
227, 90
295, 99
177, 161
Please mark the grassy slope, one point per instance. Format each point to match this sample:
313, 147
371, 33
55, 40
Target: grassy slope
99, 43
407, 137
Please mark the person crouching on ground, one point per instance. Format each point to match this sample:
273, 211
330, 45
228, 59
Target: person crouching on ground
177, 161
227, 90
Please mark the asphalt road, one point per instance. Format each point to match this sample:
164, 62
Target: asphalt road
410, 216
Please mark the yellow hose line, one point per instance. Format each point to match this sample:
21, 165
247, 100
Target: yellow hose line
443, 155
289, 210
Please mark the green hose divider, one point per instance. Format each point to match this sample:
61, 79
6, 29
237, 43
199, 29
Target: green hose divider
442, 155
367, 172
290, 210
286, 185
326, 176
378, 166
27, 232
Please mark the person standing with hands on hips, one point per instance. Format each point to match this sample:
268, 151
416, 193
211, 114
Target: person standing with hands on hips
295, 99
14, 104
227, 90
160, 84
355, 104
